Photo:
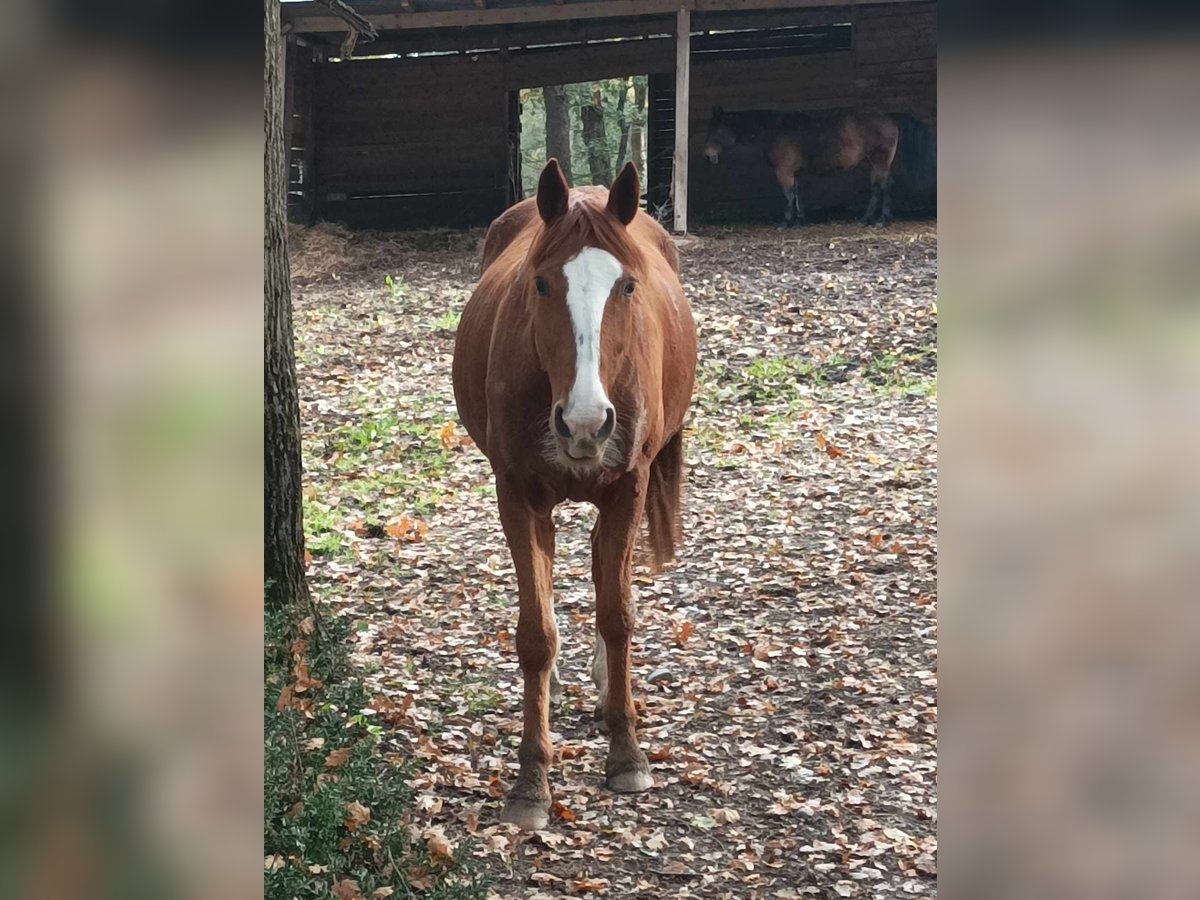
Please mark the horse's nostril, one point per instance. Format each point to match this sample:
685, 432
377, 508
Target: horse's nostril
560, 424
610, 420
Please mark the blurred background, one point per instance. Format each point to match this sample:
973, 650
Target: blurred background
1070, 414
1070, 401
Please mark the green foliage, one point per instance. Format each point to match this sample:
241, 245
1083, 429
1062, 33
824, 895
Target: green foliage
533, 128
307, 840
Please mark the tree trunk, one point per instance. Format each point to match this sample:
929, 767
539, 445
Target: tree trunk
283, 513
623, 141
593, 138
558, 128
636, 151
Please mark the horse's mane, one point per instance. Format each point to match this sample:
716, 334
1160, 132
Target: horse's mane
586, 223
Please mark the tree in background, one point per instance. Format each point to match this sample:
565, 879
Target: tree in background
623, 121
283, 513
537, 145
558, 127
594, 138
637, 120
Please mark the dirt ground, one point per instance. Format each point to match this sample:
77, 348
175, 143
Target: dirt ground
785, 667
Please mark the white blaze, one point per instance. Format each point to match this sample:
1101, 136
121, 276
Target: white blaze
590, 278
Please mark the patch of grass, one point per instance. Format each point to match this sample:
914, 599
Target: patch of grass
448, 322
310, 835
395, 286
321, 537
914, 374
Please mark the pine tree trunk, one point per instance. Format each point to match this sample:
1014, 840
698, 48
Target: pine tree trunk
558, 128
636, 150
283, 513
623, 141
593, 138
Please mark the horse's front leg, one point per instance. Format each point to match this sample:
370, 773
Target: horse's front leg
530, 535
613, 538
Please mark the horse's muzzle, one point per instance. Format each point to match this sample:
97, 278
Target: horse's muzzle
582, 438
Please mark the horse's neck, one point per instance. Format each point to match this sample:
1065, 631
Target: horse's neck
756, 127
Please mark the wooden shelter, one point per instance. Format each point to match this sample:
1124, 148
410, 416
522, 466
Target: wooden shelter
421, 125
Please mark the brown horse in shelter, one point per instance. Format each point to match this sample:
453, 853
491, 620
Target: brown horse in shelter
830, 143
573, 372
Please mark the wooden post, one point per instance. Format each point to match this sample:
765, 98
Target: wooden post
683, 78
291, 64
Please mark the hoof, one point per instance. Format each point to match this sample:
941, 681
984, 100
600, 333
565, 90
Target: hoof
529, 815
631, 781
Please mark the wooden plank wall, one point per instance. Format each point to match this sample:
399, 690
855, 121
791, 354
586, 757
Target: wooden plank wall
300, 134
891, 66
412, 142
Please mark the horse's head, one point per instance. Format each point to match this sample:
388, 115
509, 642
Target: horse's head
581, 291
720, 136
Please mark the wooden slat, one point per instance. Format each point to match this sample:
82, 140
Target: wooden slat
516, 36
589, 63
683, 76
306, 22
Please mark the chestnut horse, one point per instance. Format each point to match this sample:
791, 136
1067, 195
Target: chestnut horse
573, 371
830, 143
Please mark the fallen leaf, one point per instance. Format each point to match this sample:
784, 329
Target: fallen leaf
682, 632
347, 889
357, 815
338, 758
559, 811
420, 877
439, 848
588, 886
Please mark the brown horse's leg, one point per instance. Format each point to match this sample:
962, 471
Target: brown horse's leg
530, 535
793, 211
612, 555
879, 210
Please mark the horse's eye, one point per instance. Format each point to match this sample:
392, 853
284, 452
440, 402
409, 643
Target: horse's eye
628, 289
542, 288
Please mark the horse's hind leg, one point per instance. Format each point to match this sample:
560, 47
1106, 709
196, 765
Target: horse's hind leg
885, 213
793, 211
556, 688
530, 536
626, 768
868, 217
879, 210
600, 676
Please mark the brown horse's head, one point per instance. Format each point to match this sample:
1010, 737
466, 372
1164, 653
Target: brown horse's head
581, 290
720, 136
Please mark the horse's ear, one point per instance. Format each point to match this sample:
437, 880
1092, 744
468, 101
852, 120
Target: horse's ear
552, 192
624, 194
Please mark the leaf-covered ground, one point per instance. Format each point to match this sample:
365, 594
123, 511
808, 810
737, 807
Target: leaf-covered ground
785, 667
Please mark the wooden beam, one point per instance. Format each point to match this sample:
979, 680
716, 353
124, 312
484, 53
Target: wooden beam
309, 21
683, 80
500, 16
347, 14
